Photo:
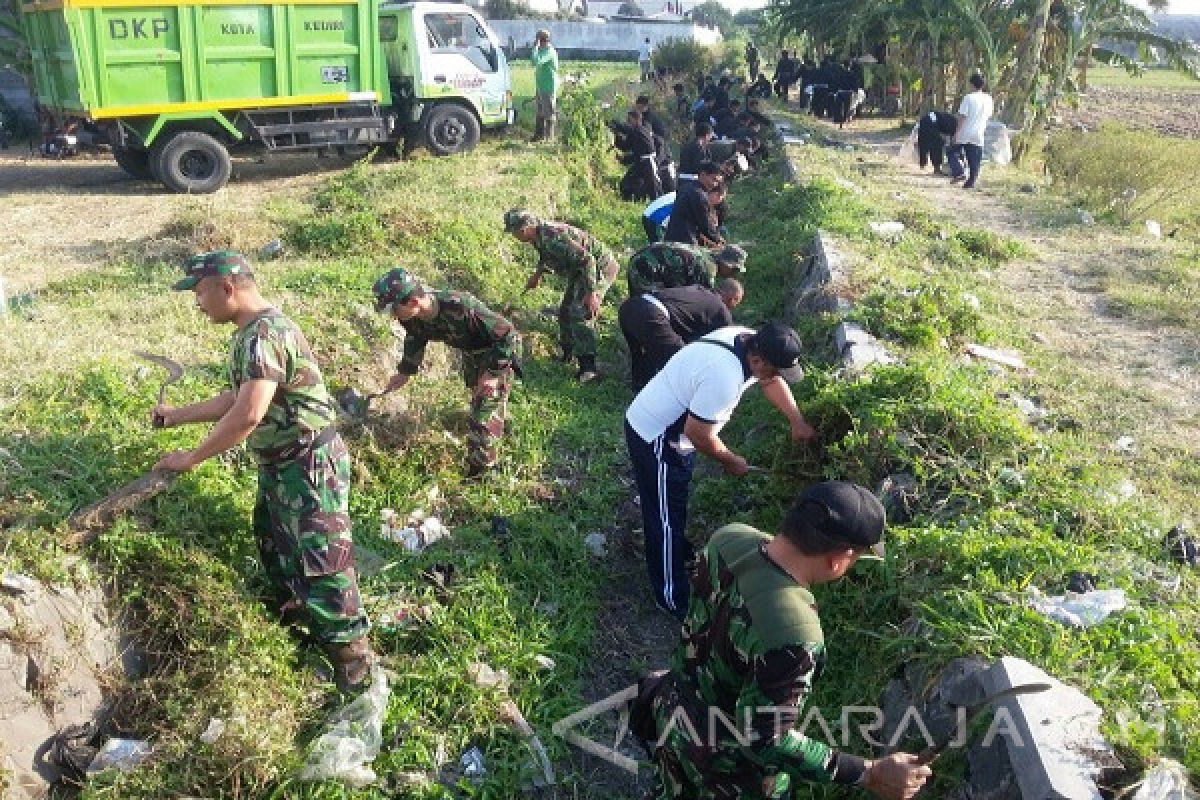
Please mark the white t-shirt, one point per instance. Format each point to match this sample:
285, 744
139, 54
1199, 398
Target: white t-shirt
644, 52
704, 380
977, 108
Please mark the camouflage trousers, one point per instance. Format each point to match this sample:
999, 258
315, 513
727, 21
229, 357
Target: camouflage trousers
489, 408
302, 524
576, 325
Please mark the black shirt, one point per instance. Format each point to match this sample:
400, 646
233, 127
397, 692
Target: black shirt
656, 124
942, 122
691, 217
639, 141
692, 156
694, 311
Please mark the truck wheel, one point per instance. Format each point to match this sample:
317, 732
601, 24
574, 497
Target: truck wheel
191, 162
135, 162
451, 129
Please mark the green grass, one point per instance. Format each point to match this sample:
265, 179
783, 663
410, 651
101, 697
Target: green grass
1154, 78
1003, 506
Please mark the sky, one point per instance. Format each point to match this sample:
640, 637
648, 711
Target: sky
1176, 6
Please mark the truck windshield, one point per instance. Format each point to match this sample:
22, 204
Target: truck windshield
461, 34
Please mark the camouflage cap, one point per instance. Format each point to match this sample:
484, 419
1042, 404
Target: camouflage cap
517, 218
205, 265
394, 287
731, 256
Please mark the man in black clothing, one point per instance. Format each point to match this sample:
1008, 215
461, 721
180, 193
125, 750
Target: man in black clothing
707, 112
694, 153
727, 120
642, 105
932, 129
721, 95
783, 74
636, 141
692, 218
752, 60
657, 324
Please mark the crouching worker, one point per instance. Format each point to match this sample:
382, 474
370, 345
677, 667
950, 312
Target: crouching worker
751, 649
279, 406
488, 342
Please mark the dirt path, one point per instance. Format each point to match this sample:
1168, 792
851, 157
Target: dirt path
1059, 291
61, 217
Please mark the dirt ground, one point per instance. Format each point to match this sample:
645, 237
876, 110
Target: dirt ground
62, 216
1059, 293
1168, 111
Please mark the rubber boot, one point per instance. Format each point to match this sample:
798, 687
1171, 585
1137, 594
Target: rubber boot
351, 663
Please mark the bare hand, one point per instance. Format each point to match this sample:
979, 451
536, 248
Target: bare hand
533, 281
591, 302
163, 416
897, 777
736, 466
177, 461
397, 382
803, 432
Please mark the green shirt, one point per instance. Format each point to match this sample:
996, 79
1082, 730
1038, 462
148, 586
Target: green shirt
572, 253
271, 347
667, 265
462, 322
545, 69
752, 640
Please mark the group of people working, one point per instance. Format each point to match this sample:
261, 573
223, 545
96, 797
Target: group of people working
751, 639
957, 138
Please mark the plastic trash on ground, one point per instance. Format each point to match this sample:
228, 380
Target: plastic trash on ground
415, 533
1167, 780
120, 754
1078, 610
887, 230
1154, 229
352, 739
216, 727
474, 767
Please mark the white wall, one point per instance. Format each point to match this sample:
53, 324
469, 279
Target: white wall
600, 37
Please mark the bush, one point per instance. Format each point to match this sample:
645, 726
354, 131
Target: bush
1126, 173
920, 317
684, 56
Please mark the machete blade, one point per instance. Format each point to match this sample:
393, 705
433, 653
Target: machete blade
930, 754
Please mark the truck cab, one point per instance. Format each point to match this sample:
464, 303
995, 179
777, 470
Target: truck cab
447, 72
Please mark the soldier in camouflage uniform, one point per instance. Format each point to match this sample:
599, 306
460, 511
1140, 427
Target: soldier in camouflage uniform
588, 268
751, 648
489, 344
668, 265
279, 406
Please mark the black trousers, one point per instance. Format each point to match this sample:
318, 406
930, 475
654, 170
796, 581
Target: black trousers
664, 475
641, 180
931, 148
973, 155
651, 339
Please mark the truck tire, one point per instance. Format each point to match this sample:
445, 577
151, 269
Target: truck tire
191, 162
136, 163
450, 129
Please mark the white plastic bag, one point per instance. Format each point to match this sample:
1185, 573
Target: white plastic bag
1078, 610
1167, 780
352, 741
997, 147
908, 151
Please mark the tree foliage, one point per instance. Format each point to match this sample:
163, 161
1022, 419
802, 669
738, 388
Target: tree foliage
714, 15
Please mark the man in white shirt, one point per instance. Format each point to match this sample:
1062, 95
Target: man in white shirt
973, 115
681, 410
644, 59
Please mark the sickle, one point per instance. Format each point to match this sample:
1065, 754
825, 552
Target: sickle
930, 754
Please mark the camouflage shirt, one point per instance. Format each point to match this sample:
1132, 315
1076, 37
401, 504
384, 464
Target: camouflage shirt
667, 265
572, 253
271, 347
462, 322
752, 646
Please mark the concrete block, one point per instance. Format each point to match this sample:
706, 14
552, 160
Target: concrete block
818, 280
850, 333
1056, 749
858, 357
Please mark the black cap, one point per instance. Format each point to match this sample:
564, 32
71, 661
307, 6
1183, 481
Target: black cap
780, 346
842, 512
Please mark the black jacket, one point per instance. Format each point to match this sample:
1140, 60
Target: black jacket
691, 156
691, 217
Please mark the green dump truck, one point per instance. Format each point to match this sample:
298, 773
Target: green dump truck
175, 87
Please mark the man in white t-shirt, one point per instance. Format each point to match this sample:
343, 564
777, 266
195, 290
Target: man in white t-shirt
973, 115
681, 410
644, 53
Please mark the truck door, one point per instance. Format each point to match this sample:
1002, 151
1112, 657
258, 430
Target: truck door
465, 60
